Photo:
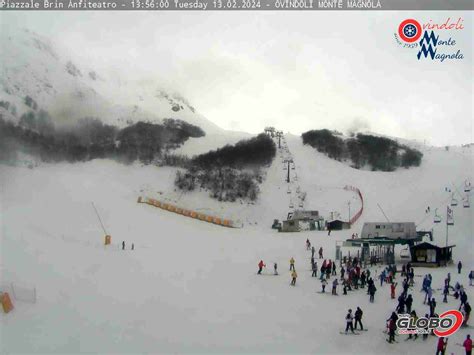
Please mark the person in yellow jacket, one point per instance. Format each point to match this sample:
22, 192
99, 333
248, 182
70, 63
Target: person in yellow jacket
294, 275
292, 264
415, 318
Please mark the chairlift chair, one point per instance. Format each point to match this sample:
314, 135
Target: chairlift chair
288, 191
450, 223
466, 203
454, 202
301, 204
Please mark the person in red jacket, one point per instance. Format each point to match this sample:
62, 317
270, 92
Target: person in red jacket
442, 345
393, 286
260, 267
468, 345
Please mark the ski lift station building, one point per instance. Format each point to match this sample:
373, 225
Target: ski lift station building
298, 218
389, 230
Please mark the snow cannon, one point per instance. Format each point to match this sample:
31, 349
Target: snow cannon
6, 302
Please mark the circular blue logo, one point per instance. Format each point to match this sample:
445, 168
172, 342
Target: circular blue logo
410, 30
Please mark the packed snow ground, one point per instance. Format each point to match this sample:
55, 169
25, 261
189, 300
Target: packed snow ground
190, 286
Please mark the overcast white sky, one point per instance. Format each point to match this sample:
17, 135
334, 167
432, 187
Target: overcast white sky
293, 70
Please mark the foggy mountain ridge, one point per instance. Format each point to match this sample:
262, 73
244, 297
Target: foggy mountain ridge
35, 75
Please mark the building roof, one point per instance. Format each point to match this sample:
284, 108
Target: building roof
426, 245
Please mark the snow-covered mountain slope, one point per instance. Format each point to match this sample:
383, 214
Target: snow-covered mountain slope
190, 286
33, 66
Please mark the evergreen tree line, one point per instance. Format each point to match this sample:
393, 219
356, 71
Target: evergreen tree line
378, 153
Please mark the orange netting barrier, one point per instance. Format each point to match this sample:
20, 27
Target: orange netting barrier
188, 213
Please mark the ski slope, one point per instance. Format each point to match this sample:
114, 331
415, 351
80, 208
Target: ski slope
190, 286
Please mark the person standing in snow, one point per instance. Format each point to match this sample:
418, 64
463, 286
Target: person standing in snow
349, 319
323, 285
358, 318
445, 294
432, 305
334, 287
133, 246
392, 326
459, 267
320, 252
372, 290
315, 269
393, 286
467, 345
261, 264
275, 271
312, 251
441, 347
334, 269
414, 318
409, 303
308, 244
294, 275
292, 264
123, 245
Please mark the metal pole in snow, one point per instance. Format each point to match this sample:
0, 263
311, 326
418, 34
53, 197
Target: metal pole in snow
447, 226
98, 216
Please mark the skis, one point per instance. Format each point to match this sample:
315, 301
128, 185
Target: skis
349, 333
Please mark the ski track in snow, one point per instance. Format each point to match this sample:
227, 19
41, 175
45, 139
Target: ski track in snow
191, 287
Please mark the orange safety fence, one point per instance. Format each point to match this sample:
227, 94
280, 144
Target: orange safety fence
188, 213
359, 213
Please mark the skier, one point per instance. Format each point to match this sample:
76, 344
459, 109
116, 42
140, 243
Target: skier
442, 345
329, 230
334, 287
393, 286
334, 269
349, 319
467, 345
261, 264
312, 252
308, 244
123, 245
342, 272
459, 266
358, 318
275, 267
323, 285
294, 275
133, 246
471, 277
320, 252
292, 264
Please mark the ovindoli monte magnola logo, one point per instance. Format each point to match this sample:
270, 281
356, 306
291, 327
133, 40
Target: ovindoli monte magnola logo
435, 41
442, 326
